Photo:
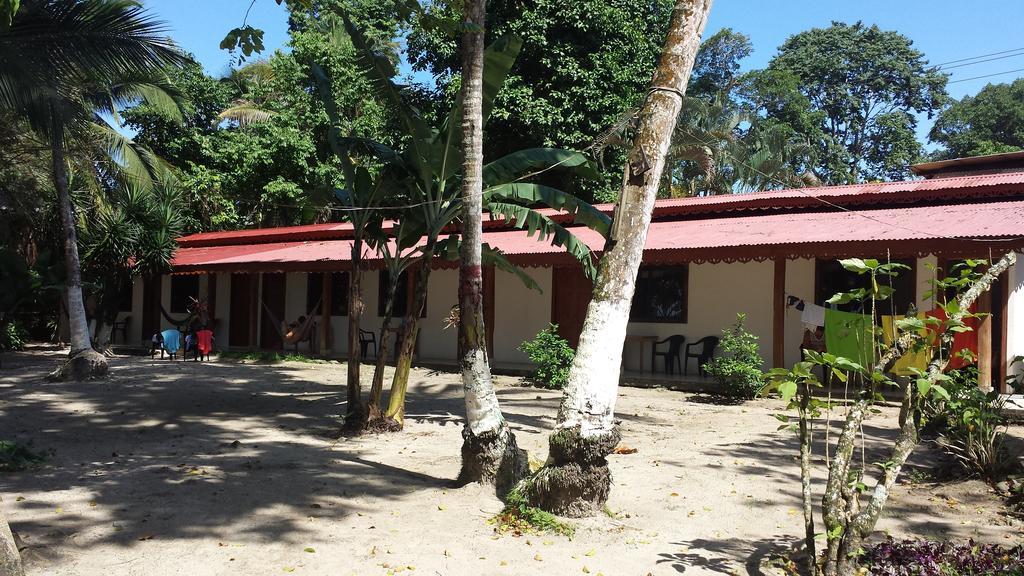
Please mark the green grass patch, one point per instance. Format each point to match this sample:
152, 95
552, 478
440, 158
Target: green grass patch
15, 456
518, 518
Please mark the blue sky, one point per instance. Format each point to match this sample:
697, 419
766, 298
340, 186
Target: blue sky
943, 29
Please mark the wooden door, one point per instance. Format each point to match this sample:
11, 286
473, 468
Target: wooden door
571, 293
241, 318
272, 312
152, 291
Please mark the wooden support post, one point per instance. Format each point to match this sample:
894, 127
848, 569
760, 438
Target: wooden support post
985, 371
254, 310
325, 313
779, 314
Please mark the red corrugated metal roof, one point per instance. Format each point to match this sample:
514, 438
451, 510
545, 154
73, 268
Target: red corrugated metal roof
694, 239
961, 188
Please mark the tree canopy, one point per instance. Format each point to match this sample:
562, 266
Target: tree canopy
853, 91
988, 123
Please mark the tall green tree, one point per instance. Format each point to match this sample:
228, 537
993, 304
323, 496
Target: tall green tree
990, 122
852, 91
63, 63
583, 65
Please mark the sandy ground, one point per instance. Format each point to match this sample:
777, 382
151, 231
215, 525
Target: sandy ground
224, 468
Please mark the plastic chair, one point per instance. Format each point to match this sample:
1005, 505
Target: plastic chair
672, 355
204, 344
171, 344
705, 350
366, 339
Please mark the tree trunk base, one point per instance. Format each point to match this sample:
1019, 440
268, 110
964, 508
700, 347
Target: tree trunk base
381, 424
575, 481
86, 365
492, 458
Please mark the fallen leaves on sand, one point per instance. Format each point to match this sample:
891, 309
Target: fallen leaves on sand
309, 550
624, 450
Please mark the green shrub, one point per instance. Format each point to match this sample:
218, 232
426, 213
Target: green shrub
12, 337
519, 518
553, 357
15, 456
970, 424
738, 369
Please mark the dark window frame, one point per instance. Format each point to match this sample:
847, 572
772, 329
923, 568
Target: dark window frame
179, 301
339, 292
643, 290
909, 277
403, 295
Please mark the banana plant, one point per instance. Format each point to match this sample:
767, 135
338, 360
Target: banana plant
425, 175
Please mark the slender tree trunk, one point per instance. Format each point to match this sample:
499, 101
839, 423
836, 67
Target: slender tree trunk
384, 348
805, 481
407, 349
10, 558
489, 450
85, 363
576, 481
355, 414
847, 523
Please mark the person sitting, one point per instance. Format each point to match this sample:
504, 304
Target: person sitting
156, 343
813, 340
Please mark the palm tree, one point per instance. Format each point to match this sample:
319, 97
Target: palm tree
62, 63
132, 231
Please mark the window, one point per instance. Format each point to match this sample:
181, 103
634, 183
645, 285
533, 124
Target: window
402, 295
831, 278
124, 298
339, 292
183, 290
401, 304
661, 294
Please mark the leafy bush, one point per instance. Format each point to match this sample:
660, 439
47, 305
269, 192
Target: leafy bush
924, 558
970, 424
553, 357
738, 369
519, 518
15, 456
12, 337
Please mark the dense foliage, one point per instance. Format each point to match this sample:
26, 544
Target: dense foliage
737, 369
553, 357
852, 90
925, 558
989, 122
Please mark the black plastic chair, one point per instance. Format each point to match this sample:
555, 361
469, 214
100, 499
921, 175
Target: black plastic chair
366, 339
672, 355
705, 350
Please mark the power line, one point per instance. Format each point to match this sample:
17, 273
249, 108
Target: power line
940, 64
943, 68
985, 76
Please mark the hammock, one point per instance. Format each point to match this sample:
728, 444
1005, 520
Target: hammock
296, 334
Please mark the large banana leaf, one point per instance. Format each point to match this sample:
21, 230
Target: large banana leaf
582, 212
544, 227
498, 60
448, 248
523, 164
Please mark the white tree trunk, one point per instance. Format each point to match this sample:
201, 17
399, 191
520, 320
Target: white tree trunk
489, 451
592, 387
10, 559
76, 303
575, 480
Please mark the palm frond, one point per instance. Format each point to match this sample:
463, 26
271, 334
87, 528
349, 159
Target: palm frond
245, 112
544, 228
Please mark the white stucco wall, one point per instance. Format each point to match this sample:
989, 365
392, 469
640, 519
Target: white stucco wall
1015, 313
799, 283
519, 313
436, 342
717, 292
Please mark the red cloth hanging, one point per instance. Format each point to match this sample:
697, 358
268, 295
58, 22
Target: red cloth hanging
961, 340
204, 341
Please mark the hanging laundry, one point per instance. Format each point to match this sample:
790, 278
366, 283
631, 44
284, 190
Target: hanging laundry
849, 335
961, 340
911, 359
813, 315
